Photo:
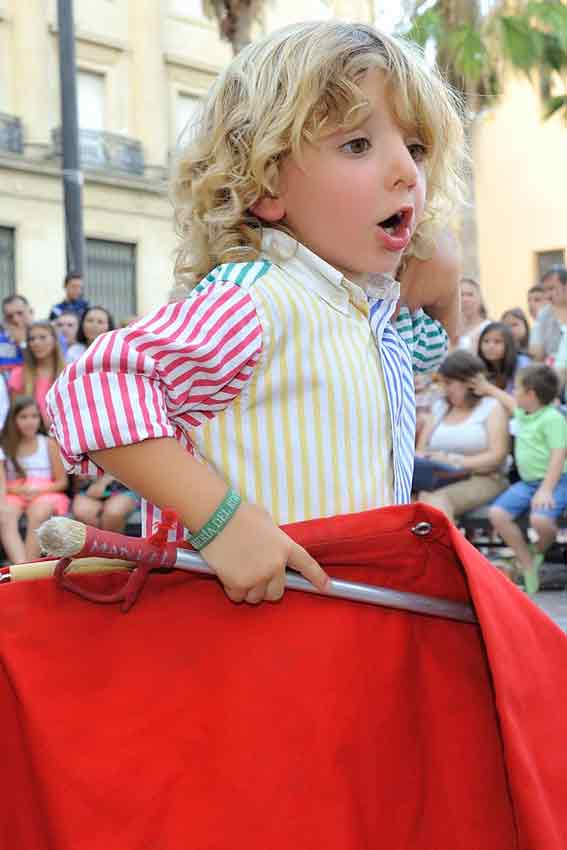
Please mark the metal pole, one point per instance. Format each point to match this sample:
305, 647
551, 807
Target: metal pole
72, 175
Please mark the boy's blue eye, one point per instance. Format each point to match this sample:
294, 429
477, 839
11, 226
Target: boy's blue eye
356, 146
418, 151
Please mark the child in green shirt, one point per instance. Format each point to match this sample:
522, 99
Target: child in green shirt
541, 454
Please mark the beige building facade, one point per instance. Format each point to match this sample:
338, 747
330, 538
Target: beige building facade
142, 65
520, 167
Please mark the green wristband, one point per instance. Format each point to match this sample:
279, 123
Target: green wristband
217, 521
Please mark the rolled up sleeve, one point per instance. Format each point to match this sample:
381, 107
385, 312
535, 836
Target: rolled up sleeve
156, 377
426, 339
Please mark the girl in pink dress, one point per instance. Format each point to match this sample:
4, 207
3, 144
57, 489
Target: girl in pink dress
32, 480
43, 362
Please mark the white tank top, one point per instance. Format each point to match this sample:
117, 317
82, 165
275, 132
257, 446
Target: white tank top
465, 438
37, 465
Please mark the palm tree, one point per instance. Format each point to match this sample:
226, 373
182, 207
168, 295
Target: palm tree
235, 19
475, 41
477, 44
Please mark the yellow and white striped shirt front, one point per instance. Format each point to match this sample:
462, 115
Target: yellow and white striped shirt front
310, 433
273, 372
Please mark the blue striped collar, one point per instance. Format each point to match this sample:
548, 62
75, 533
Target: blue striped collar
316, 274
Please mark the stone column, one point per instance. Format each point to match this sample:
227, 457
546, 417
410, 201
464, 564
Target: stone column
31, 60
148, 81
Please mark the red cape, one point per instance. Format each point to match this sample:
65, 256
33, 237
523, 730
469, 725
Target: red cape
191, 723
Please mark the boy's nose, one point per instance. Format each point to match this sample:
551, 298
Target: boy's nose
403, 168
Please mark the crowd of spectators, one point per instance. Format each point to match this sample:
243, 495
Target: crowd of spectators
33, 482
496, 414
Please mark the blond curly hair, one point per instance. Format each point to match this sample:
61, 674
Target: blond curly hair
288, 89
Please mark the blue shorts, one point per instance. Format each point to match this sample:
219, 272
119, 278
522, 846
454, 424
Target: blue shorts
517, 499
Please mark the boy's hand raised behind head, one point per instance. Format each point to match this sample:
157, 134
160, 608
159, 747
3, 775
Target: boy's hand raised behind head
434, 283
250, 556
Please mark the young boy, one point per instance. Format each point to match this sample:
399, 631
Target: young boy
541, 453
325, 153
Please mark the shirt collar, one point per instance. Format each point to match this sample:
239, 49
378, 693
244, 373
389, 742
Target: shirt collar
320, 277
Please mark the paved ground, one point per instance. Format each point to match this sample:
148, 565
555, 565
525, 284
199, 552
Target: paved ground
554, 602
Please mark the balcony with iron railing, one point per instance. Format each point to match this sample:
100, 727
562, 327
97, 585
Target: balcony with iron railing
11, 134
105, 152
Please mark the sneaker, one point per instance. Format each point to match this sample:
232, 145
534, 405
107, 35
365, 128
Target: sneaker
507, 566
531, 576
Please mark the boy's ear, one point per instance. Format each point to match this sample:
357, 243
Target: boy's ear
269, 208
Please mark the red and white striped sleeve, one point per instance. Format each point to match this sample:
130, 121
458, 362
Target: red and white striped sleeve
158, 377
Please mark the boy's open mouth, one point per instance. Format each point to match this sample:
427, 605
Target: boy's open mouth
397, 221
395, 231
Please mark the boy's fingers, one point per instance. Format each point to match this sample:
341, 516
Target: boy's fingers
234, 594
275, 589
256, 594
300, 560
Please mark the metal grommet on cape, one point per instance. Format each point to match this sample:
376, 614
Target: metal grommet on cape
422, 528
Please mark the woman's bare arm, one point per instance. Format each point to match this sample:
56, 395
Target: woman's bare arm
3, 482
425, 434
482, 386
58, 473
537, 352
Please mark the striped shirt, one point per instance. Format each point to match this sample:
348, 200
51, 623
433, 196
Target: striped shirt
285, 376
425, 337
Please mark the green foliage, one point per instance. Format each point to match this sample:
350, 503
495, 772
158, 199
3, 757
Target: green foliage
470, 56
553, 51
551, 18
555, 104
532, 41
426, 27
522, 44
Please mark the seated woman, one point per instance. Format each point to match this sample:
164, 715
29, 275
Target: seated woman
469, 432
518, 323
32, 480
43, 363
473, 316
499, 354
104, 502
94, 322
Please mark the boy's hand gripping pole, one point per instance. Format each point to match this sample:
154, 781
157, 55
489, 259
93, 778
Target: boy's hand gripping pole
68, 540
